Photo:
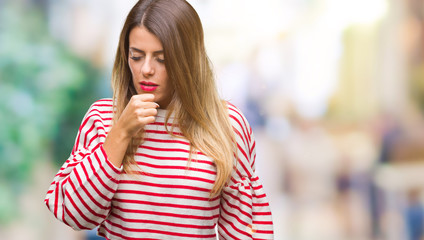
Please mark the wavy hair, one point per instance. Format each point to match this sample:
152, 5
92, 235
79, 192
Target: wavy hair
200, 113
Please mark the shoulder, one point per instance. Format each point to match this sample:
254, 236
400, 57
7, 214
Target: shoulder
101, 107
245, 141
101, 111
239, 122
104, 104
243, 136
95, 124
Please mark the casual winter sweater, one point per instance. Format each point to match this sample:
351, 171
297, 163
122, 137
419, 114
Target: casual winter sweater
169, 197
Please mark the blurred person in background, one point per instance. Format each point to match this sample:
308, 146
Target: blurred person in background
166, 156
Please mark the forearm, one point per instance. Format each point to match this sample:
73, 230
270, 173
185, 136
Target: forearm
140, 111
82, 191
116, 145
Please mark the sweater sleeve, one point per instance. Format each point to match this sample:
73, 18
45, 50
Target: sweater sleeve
81, 192
244, 208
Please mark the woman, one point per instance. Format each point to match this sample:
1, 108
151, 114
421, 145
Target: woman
165, 158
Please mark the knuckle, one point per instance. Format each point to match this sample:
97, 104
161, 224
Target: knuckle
148, 96
139, 112
151, 119
140, 120
133, 98
133, 103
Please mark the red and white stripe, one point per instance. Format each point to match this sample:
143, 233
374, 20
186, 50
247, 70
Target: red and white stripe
169, 198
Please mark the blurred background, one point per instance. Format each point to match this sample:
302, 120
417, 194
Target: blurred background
334, 91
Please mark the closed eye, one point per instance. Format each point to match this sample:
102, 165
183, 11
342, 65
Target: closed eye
137, 54
135, 58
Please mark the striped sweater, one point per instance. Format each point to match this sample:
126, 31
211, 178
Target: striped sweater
168, 199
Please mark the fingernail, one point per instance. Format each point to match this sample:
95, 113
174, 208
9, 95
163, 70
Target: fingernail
157, 105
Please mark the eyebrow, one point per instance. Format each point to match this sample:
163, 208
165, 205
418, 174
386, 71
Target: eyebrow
141, 51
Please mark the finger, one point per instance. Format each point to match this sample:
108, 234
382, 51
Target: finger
151, 112
145, 105
146, 112
145, 97
149, 105
146, 120
150, 119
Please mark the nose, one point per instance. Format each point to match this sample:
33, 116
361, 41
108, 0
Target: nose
147, 68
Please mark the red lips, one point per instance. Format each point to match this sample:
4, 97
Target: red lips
148, 86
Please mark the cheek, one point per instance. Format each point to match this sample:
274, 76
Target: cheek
164, 76
135, 68
133, 76
131, 67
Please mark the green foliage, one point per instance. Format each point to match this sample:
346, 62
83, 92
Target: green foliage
45, 90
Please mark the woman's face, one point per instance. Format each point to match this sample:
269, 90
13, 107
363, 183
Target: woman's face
147, 64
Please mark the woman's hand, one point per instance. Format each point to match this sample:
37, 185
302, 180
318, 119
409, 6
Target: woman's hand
140, 111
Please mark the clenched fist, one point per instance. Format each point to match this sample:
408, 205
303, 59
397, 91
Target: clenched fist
140, 111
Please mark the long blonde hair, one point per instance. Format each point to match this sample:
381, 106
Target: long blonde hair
196, 105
